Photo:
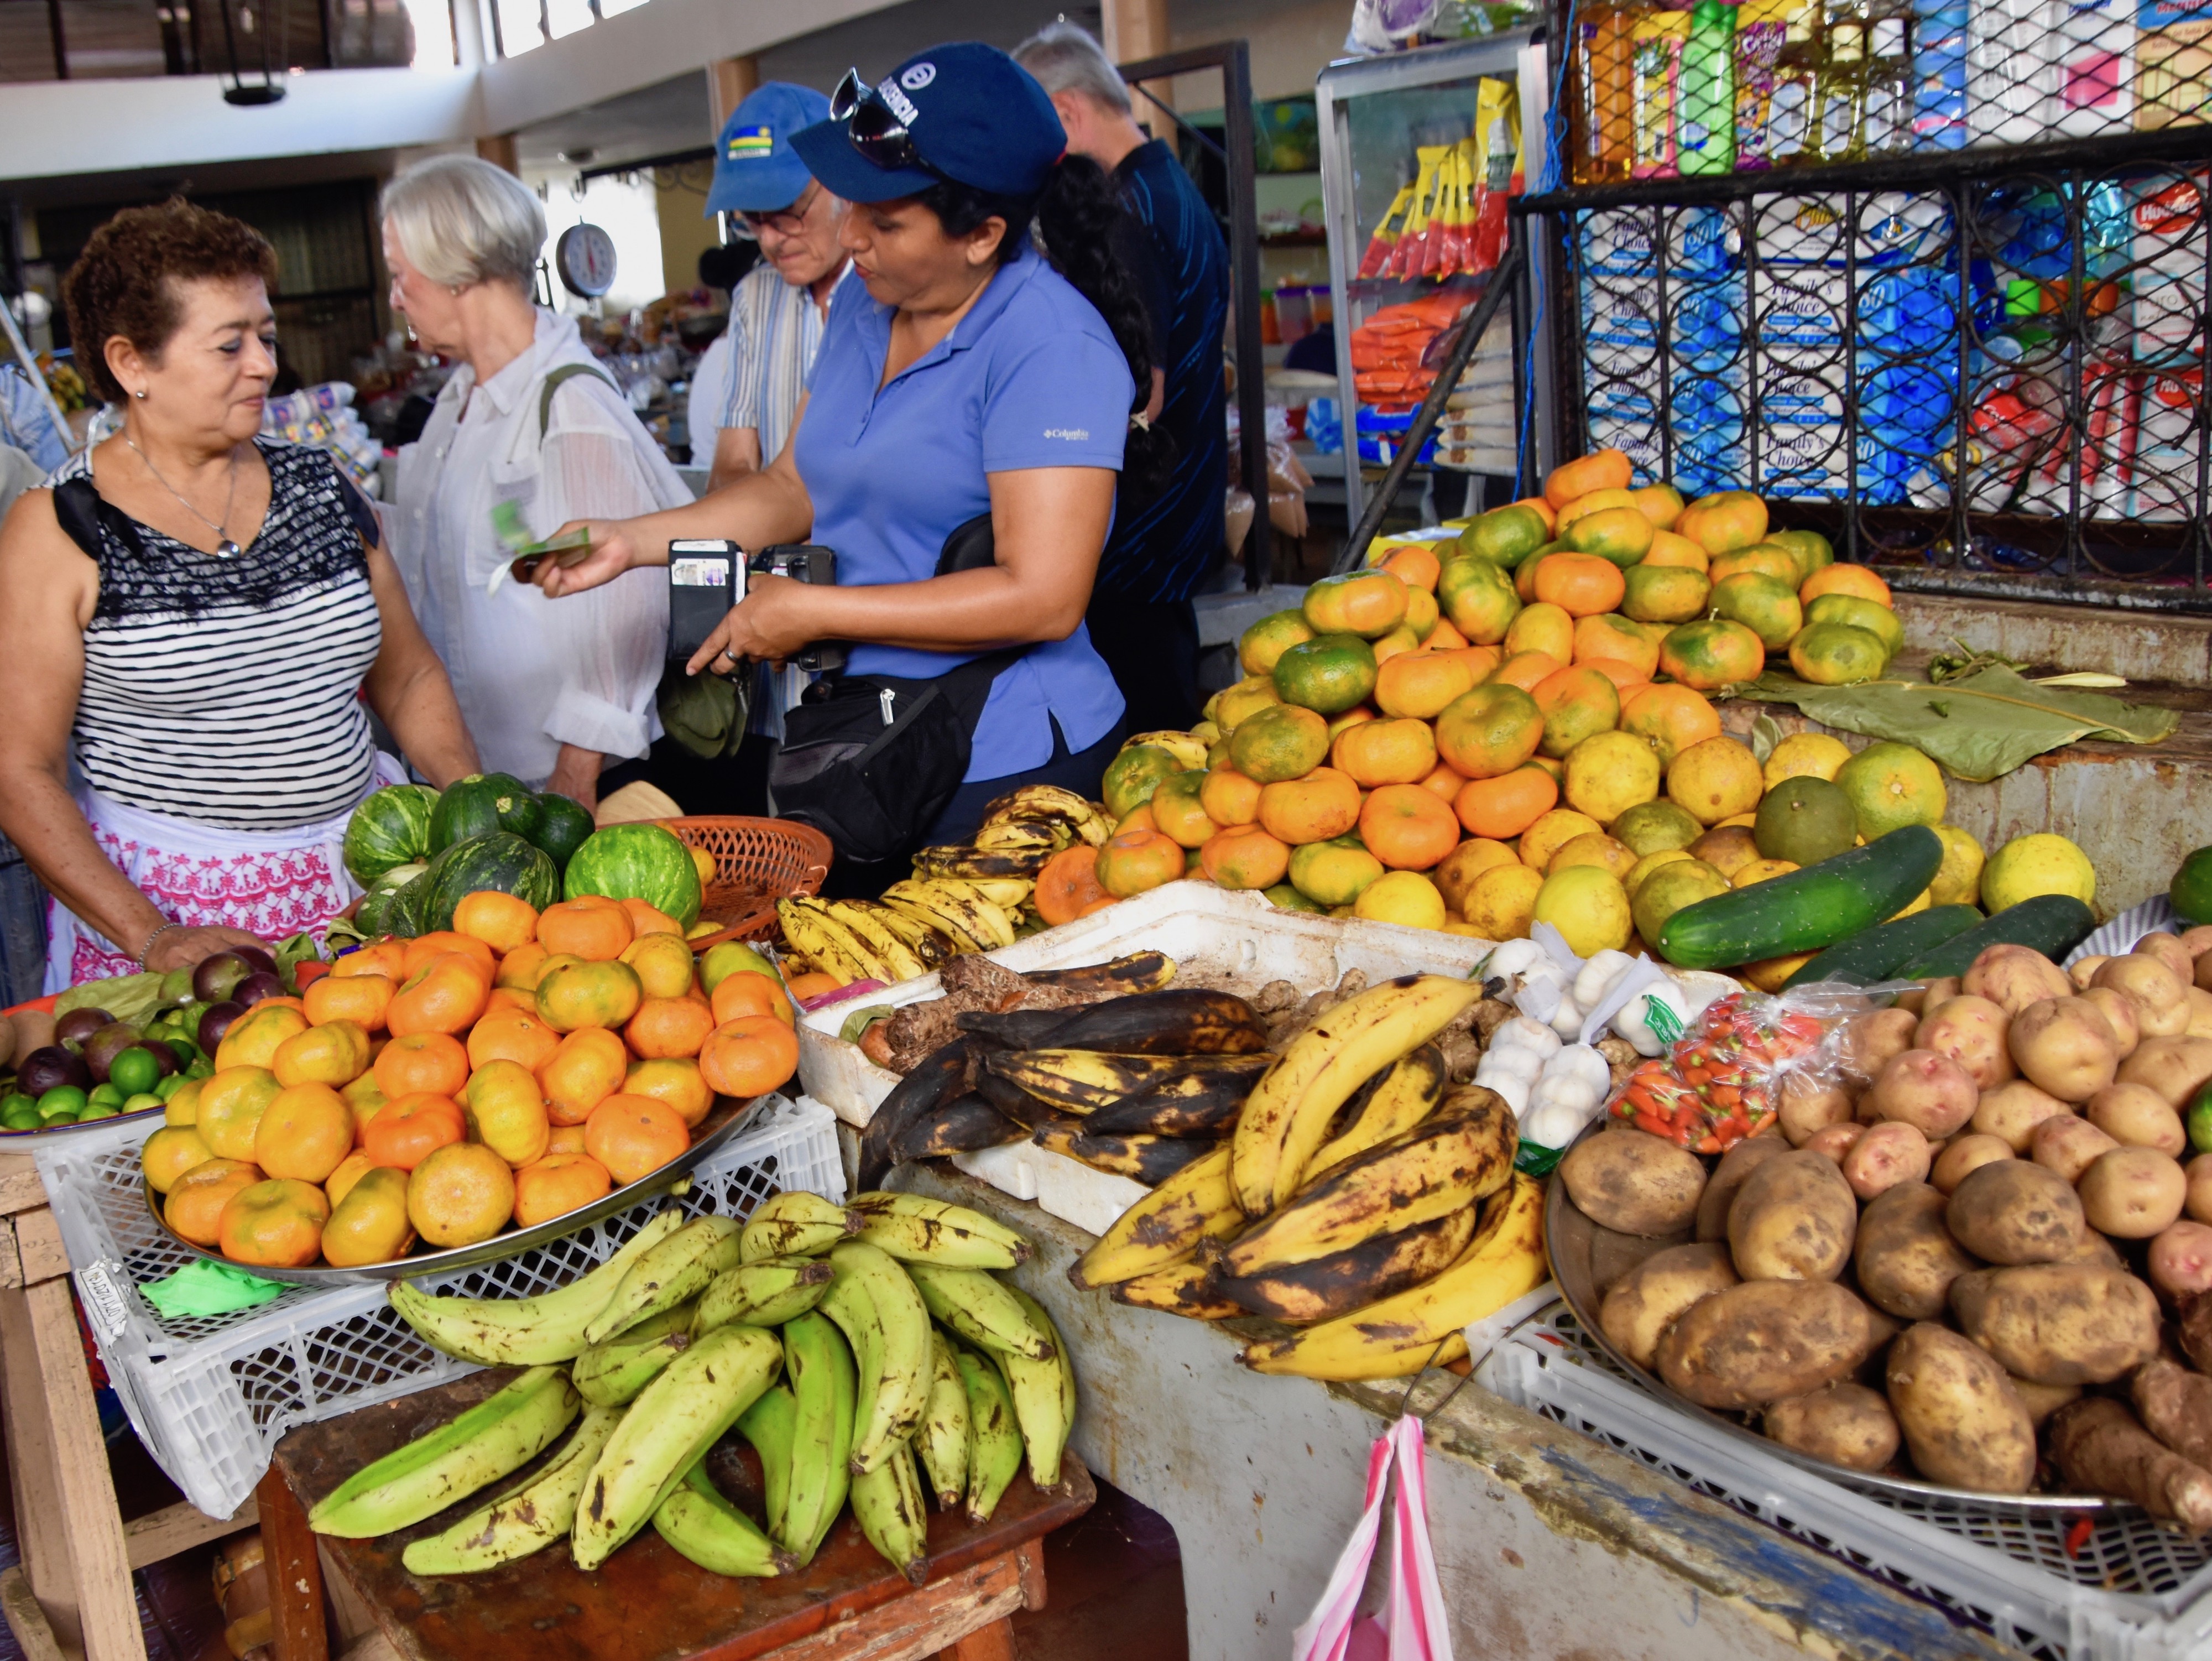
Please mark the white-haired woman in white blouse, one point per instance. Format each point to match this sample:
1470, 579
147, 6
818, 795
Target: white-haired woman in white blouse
552, 693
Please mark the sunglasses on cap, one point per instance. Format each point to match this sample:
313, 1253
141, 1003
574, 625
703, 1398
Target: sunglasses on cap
877, 131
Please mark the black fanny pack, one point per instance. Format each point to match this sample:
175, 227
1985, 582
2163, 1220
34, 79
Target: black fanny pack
871, 760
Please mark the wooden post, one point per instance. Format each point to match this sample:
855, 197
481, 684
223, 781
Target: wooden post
295, 1573
498, 149
730, 82
1131, 31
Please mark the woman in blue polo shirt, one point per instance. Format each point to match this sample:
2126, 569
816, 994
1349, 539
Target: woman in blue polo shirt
964, 376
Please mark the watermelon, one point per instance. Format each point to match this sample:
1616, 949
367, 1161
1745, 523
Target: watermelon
391, 828
480, 804
637, 862
498, 860
374, 917
404, 916
563, 829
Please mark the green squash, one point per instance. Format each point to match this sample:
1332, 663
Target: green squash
479, 804
563, 826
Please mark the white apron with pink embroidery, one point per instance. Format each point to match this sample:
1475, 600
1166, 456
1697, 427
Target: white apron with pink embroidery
273, 885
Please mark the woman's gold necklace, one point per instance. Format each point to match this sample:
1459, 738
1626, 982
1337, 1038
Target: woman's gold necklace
224, 547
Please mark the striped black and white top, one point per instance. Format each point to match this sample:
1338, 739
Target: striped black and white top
226, 691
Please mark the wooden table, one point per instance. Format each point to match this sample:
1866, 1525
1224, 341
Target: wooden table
71, 1594
646, 1602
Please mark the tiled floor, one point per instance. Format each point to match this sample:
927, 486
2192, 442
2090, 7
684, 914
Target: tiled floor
1114, 1581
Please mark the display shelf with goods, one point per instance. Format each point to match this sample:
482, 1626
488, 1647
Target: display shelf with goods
1420, 152
1936, 275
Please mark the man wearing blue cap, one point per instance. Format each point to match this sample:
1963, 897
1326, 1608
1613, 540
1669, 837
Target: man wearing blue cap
778, 310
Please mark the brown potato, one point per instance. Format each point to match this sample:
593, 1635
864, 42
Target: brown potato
2014, 976
2132, 1193
2180, 1261
1835, 1141
1868, 1040
2069, 1146
1613, 1255
1889, 1154
2161, 1010
1793, 1220
1940, 991
1808, 1104
1640, 1308
2095, 1250
2012, 1212
1845, 1424
2084, 971
2059, 1324
2169, 951
1971, 1032
2136, 1116
2043, 1400
2064, 1046
2176, 1067
2198, 940
2200, 1011
1925, 1089
2198, 1203
1904, 1257
1633, 1181
2119, 1012
1963, 1154
1963, 1422
1764, 1341
2204, 975
1738, 1163
2012, 1111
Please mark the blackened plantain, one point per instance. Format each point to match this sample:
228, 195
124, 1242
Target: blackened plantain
1015, 1029
944, 1075
961, 1126
1185, 1288
1148, 1159
1202, 1103
1346, 1280
1179, 1021
1140, 971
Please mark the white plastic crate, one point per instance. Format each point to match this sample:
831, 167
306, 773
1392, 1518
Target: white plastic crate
209, 1398
2131, 1590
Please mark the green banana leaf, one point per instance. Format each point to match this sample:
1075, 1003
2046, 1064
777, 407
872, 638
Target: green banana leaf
1979, 727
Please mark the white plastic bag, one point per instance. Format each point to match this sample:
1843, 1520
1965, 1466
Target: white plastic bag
1413, 1626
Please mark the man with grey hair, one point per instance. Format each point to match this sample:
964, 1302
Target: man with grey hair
1163, 545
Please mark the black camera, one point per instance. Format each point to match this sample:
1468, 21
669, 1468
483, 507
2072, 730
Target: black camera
706, 578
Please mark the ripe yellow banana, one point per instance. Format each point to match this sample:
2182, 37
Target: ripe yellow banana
794, 1224
1408, 1094
1085, 1080
1009, 894
814, 931
1321, 1288
1018, 835
524, 1519
994, 1437
1457, 1156
1391, 1338
501, 1433
1197, 1203
942, 1438
496, 1332
885, 943
667, 1430
915, 1228
1286, 1118
674, 1272
1184, 1288
933, 903
989, 922
928, 942
1188, 752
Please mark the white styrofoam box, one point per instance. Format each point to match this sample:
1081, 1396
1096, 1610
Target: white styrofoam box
2155, 915
2130, 1591
209, 1396
1070, 1190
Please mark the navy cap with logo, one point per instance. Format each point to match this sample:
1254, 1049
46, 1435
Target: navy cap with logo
964, 111
754, 168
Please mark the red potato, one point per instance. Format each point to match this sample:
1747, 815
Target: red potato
2064, 1046
2084, 972
2181, 1260
2161, 1008
1835, 1140
2119, 1012
1964, 1154
1870, 1041
2197, 1202
1971, 1031
1928, 995
2136, 1116
1807, 1105
1925, 1089
2069, 1146
2012, 1111
1885, 1155
2169, 951
2014, 976
2132, 1193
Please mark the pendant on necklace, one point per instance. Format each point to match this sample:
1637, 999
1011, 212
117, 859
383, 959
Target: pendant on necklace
228, 549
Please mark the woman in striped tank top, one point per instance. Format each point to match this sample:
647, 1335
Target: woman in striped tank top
190, 619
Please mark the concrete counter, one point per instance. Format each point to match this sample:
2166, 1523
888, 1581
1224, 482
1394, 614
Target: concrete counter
1549, 1544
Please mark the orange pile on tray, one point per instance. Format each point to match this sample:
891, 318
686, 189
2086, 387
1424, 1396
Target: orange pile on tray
514, 1069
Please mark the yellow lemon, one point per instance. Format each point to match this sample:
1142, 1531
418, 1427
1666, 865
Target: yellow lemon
1402, 897
1588, 905
1715, 780
1551, 832
1501, 902
1958, 879
1807, 756
1594, 848
2042, 864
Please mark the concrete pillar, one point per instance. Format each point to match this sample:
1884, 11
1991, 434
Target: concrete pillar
1131, 31
498, 149
730, 82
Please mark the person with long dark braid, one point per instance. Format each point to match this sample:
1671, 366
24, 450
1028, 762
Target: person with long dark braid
992, 367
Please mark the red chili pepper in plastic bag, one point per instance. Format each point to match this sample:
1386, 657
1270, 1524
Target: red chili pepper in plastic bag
1715, 1086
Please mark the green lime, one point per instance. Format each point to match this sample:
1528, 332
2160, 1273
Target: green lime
19, 1120
134, 1071
141, 1103
2200, 1121
201, 1068
169, 1087
62, 1098
107, 1095
2192, 887
97, 1111
15, 1101
184, 1049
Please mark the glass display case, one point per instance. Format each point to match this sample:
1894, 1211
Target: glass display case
1419, 152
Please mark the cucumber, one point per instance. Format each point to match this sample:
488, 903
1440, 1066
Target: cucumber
2053, 924
1870, 955
1807, 911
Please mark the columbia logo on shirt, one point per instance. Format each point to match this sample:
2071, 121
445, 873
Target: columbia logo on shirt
1067, 432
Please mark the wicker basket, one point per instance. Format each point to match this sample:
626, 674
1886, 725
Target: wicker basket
756, 863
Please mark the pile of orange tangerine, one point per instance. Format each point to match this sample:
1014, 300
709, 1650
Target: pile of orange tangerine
513, 1069
1428, 740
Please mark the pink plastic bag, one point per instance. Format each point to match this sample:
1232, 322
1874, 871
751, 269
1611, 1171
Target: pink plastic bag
1412, 1626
